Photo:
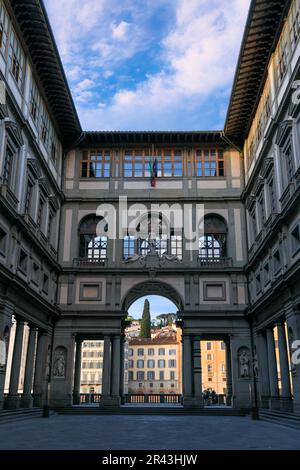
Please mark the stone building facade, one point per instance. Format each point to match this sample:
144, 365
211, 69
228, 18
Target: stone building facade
66, 275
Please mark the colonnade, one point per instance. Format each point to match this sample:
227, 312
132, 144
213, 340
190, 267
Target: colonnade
271, 395
35, 370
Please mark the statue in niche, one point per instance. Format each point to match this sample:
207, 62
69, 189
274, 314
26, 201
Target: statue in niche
59, 368
244, 361
255, 363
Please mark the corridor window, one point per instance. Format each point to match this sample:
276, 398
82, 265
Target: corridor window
16, 58
3, 28
176, 245
212, 245
137, 163
169, 163
34, 101
161, 351
95, 164
209, 162
151, 352
45, 126
295, 22
282, 57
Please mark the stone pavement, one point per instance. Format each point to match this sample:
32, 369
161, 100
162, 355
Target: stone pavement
146, 433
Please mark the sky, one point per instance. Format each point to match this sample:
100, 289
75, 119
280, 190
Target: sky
158, 305
149, 64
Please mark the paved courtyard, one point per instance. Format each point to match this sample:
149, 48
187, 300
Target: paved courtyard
146, 433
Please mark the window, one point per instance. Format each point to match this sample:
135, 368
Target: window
35, 275
95, 164
41, 211
140, 375
172, 363
253, 222
266, 272
50, 226
34, 102
223, 346
261, 208
161, 375
16, 58
223, 368
161, 364
45, 126
23, 261
172, 352
137, 163
209, 357
130, 375
296, 240
213, 244
282, 57
45, 283
258, 283
53, 149
130, 364
130, 352
140, 364
288, 155
9, 166
272, 195
3, 28
176, 244
210, 368
150, 364
3, 239
93, 247
277, 262
151, 375
161, 351
128, 246
169, 163
29, 197
151, 352
208, 346
209, 162
140, 352
295, 23
172, 375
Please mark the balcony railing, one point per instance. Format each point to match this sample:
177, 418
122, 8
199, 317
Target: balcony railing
215, 262
89, 398
153, 398
89, 262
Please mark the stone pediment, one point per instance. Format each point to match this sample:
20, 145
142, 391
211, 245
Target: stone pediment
284, 130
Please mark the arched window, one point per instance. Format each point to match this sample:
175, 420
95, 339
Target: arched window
212, 245
92, 244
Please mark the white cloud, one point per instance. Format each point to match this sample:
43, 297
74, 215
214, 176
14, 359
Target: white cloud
199, 55
120, 31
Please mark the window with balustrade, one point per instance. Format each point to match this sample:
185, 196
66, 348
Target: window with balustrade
213, 244
92, 239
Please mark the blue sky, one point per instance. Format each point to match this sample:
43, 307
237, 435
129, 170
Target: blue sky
158, 305
149, 64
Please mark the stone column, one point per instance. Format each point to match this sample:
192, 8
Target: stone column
228, 373
115, 376
106, 373
41, 369
286, 395
197, 370
263, 369
273, 374
6, 312
293, 324
12, 401
27, 400
122, 371
77, 373
187, 366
